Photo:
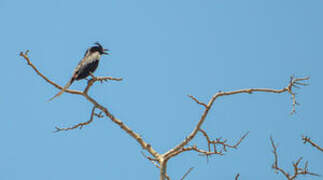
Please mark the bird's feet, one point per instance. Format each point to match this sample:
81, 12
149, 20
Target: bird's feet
94, 78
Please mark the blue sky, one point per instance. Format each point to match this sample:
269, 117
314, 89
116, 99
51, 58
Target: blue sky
164, 50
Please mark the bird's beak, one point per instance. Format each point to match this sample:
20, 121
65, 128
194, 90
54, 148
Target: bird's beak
105, 51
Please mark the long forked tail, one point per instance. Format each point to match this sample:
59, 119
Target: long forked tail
64, 89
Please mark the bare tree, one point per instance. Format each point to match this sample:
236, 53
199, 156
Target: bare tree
217, 146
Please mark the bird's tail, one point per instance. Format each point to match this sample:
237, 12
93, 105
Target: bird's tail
64, 89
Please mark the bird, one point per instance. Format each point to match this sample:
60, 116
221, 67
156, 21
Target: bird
86, 66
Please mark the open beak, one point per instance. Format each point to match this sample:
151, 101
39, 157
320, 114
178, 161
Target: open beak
105, 51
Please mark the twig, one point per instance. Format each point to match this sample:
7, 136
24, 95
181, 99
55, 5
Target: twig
80, 125
293, 83
308, 139
197, 101
25, 56
152, 160
196, 149
297, 170
188, 171
209, 152
225, 145
207, 138
219, 141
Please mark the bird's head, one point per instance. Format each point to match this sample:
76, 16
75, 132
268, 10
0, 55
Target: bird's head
99, 48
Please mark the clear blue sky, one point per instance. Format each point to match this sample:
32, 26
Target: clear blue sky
164, 50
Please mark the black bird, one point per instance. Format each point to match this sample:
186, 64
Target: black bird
86, 66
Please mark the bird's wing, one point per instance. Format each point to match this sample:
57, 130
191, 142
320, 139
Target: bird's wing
82, 62
87, 57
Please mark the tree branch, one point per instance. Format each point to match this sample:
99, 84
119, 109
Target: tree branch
288, 88
210, 142
80, 125
197, 101
25, 56
223, 143
297, 170
125, 128
188, 171
308, 139
162, 159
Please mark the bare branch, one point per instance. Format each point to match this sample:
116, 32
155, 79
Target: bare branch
209, 152
207, 138
188, 171
219, 94
293, 83
308, 139
118, 122
297, 170
195, 148
197, 101
160, 160
25, 56
80, 125
225, 145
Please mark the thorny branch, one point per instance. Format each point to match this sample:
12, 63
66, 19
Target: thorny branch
160, 160
297, 170
308, 139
